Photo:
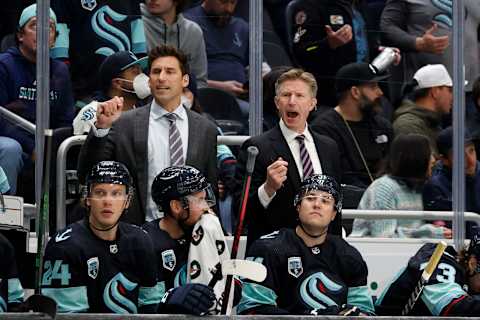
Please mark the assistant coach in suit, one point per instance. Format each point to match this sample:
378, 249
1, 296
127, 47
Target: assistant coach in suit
147, 139
288, 153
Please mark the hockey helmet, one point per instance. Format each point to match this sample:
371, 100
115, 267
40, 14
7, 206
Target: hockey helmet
320, 182
111, 172
177, 183
474, 246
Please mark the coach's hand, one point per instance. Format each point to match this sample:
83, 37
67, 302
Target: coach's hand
108, 112
276, 175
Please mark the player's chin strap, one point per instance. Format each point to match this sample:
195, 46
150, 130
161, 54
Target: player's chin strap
313, 235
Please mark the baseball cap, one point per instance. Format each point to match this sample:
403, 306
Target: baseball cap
432, 75
445, 140
357, 73
116, 63
30, 12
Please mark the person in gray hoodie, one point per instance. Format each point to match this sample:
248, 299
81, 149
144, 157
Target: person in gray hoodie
165, 24
432, 98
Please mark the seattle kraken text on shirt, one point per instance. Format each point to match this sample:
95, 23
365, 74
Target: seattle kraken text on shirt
31, 94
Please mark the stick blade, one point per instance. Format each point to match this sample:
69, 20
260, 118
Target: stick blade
432, 263
244, 268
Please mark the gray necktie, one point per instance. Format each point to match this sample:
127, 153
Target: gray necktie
175, 141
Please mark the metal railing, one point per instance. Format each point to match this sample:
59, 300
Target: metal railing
61, 187
404, 214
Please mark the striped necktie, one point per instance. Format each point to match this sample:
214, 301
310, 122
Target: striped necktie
304, 157
175, 141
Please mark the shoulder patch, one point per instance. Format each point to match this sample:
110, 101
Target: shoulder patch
169, 260
88, 4
93, 265
295, 267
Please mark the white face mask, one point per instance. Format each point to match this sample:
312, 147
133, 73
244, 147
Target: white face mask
141, 86
186, 102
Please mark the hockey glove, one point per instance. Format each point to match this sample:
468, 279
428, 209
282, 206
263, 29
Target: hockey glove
192, 298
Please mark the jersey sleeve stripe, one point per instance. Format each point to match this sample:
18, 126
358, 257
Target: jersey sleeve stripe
15, 291
360, 297
69, 300
255, 295
437, 296
151, 295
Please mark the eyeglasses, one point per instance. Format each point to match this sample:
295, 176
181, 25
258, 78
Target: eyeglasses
104, 195
324, 199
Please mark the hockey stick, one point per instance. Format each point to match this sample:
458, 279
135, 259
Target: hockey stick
252, 154
427, 273
242, 268
42, 221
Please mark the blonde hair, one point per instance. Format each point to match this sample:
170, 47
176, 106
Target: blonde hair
297, 74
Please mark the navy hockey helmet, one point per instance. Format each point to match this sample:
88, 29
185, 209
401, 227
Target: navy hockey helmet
112, 172
177, 183
320, 182
474, 246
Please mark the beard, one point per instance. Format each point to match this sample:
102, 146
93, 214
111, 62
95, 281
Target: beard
219, 19
369, 107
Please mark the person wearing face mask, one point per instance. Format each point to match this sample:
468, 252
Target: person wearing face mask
363, 137
120, 75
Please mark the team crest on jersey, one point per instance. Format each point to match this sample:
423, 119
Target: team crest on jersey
197, 235
295, 267
195, 269
88, 4
93, 266
169, 260
113, 248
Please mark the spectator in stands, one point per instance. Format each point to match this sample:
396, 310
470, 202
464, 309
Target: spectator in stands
140, 138
89, 31
432, 98
289, 153
437, 194
120, 75
329, 35
423, 30
11, 160
400, 188
227, 44
473, 120
18, 83
165, 24
363, 137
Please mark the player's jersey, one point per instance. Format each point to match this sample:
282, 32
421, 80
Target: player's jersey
172, 256
11, 291
90, 30
300, 279
445, 293
84, 273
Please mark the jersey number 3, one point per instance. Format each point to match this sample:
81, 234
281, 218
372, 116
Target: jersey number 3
57, 270
446, 273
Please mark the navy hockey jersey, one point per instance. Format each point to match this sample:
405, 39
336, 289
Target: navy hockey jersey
445, 293
301, 279
90, 30
172, 256
84, 273
11, 291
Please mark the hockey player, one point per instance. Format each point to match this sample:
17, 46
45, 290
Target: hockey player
101, 264
308, 270
184, 195
451, 291
11, 291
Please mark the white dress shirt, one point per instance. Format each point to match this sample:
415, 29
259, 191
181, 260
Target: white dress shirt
159, 148
294, 146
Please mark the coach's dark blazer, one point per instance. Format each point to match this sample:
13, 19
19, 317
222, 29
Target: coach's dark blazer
280, 212
127, 142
